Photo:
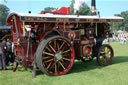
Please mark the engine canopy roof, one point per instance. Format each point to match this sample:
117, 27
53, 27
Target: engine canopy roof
26, 17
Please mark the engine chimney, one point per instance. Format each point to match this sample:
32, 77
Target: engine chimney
93, 7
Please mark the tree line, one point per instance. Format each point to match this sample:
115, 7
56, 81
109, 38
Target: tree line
83, 10
4, 11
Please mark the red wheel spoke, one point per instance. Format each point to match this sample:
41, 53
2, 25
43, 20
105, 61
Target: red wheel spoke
48, 53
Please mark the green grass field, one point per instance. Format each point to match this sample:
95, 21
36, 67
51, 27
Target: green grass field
81, 73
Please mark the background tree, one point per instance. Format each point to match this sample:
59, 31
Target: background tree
48, 9
84, 9
72, 7
123, 25
4, 11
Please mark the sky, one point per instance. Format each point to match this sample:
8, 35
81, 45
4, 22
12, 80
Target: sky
106, 7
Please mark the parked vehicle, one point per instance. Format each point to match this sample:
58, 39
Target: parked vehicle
51, 42
5, 32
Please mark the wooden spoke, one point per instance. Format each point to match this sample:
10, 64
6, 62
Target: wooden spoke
49, 60
52, 65
48, 53
65, 55
62, 60
47, 57
67, 51
52, 48
62, 45
54, 43
61, 65
57, 46
48, 49
58, 64
55, 68
67, 59
49, 65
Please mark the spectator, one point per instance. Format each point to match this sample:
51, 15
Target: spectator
10, 57
121, 40
125, 40
2, 55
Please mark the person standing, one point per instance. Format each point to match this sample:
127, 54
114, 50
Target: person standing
2, 55
10, 57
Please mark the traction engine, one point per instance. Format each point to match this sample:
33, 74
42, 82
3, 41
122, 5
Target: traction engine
51, 42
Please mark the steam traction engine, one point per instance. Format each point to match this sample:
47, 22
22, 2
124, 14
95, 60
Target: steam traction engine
52, 41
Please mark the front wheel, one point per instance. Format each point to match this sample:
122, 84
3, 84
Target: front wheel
105, 55
55, 56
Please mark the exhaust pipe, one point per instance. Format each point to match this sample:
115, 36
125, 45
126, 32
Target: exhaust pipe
93, 7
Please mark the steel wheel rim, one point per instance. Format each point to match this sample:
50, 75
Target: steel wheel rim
57, 56
106, 55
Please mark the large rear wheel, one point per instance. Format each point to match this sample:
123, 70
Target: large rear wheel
55, 56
